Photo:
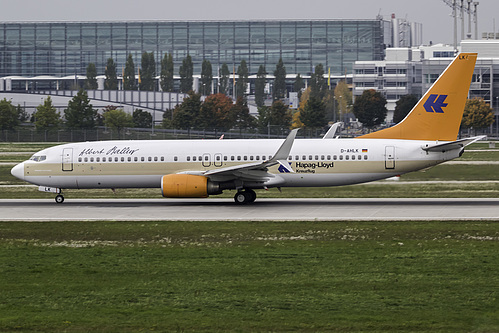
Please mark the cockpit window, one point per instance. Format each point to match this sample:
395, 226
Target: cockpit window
38, 158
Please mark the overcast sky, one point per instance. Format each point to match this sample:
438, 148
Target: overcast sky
433, 14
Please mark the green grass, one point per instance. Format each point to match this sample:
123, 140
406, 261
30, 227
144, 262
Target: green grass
249, 277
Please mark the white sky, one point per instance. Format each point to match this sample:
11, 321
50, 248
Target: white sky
433, 14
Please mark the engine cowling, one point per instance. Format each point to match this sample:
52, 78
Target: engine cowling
187, 186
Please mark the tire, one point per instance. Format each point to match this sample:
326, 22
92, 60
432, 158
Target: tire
59, 199
241, 198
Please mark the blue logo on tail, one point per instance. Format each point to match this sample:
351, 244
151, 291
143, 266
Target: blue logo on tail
435, 103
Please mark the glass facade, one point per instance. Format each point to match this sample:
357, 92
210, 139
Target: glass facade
66, 48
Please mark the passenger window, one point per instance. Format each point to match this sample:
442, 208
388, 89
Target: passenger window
232, 158
162, 158
122, 159
79, 159
103, 159
86, 159
218, 157
347, 157
359, 157
129, 159
304, 158
310, 157
149, 158
194, 158
225, 158
329, 157
297, 157
206, 158
322, 157
365, 157
175, 158
251, 158
142, 159
116, 159
200, 158
341, 157
135, 159
258, 157
353, 157
239, 158
245, 157
188, 158
290, 157
155, 158
97, 159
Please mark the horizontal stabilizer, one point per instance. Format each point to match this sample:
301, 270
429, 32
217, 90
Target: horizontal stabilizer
458, 144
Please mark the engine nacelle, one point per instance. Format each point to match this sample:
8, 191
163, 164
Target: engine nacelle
187, 186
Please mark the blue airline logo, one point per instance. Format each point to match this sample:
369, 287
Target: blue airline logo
283, 169
435, 103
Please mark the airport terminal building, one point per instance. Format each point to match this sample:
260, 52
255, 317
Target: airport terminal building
64, 49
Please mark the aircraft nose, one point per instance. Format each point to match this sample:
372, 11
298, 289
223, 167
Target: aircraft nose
18, 171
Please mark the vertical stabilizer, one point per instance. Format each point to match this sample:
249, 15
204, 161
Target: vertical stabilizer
437, 116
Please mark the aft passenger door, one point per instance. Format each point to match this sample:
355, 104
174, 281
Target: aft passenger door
389, 157
67, 159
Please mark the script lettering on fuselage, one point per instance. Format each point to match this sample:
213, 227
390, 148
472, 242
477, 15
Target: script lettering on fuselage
113, 151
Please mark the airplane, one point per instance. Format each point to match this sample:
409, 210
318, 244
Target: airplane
427, 136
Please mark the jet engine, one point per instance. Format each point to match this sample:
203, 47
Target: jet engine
188, 186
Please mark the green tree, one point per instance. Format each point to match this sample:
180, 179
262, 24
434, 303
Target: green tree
8, 115
260, 81
117, 119
148, 72
216, 112
206, 77
279, 90
80, 113
369, 108
46, 116
167, 73
403, 106
111, 82
318, 83
22, 115
141, 118
313, 114
129, 74
186, 73
298, 85
278, 116
477, 114
243, 118
91, 81
223, 84
186, 114
242, 81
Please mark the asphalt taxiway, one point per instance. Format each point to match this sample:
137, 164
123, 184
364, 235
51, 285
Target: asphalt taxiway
391, 209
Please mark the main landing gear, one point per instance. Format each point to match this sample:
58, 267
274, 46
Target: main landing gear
245, 197
59, 198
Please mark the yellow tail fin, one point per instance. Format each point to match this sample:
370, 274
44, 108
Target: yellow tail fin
437, 116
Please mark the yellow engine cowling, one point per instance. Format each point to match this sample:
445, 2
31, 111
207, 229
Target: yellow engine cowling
186, 186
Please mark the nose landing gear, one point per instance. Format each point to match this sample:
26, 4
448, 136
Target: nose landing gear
245, 197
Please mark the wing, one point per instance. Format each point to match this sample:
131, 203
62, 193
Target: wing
257, 172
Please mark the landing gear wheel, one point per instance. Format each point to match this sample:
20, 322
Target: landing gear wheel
59, 198
245, 197
252, 195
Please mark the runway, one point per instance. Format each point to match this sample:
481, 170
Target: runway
412, 209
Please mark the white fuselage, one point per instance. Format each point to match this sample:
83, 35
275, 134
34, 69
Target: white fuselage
142, 164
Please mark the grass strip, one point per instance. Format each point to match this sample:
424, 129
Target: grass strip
245, 276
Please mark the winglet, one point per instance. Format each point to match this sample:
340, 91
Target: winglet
332, 130
283, 152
